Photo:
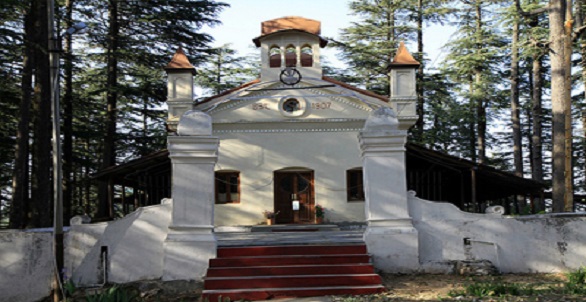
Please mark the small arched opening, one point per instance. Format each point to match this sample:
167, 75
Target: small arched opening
290, 56
275, 56
306, 56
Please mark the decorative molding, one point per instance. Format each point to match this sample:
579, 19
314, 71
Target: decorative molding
342, 100
280, 121
231, 102
287, 130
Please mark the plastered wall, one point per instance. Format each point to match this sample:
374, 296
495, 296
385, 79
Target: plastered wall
525, 244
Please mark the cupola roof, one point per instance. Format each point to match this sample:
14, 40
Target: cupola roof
290, 24
180, 62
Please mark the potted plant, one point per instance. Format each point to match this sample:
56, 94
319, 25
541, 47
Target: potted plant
319, 214
270, 216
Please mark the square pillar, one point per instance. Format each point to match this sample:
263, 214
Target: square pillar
190, 242
390, 235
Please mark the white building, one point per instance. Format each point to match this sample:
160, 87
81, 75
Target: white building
290, 139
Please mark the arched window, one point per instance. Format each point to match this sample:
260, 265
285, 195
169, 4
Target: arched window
306, 56
354, 185
290, 56
227, 187
275, 57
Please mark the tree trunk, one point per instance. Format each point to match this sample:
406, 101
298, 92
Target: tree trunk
472, 125
42, 185
109, 152
569, 179
481, 120
20, 177
420, 123
68, 118
537, 132
515, 114
480, 103
558, 96
515, 108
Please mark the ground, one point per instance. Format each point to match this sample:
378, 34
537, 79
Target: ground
447, 287
405, 288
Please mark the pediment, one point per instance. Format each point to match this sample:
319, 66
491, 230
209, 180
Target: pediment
319, 101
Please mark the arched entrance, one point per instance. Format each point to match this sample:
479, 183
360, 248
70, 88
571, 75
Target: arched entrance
294, 184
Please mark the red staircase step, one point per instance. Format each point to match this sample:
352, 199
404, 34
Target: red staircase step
230, 252
291, 270
289, 260
291, 281
266, 272
271, 293
294, 230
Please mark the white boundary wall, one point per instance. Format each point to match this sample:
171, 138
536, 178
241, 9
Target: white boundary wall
26, 265
525, 244
134, 244
528, 244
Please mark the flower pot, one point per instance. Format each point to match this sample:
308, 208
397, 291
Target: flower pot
319, 220
270, 221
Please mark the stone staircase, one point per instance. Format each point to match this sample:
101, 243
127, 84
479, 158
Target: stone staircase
267, 272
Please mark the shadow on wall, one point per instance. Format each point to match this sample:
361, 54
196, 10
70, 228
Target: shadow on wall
130, 243
525, 244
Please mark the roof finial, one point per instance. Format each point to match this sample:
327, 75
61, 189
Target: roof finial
403, 57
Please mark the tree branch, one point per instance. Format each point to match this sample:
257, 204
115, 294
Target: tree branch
578, 32
534, 12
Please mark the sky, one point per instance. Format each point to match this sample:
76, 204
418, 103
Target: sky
241, 23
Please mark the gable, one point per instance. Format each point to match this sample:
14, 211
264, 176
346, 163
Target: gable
319, 101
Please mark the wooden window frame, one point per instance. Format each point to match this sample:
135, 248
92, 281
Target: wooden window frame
350, 185
222, 178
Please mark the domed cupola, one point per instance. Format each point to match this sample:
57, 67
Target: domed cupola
290, 42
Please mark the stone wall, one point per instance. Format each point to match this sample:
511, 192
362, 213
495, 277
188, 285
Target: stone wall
524, 244
26, 265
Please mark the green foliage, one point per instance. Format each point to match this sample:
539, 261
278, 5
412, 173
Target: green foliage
224, 70
575, 285
114, 294
369, 44
10, 48
497, 289
146, 32
69, 288
576, 282
319, 211
475, 62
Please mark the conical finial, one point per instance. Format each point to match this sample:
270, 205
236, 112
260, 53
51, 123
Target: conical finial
403, 57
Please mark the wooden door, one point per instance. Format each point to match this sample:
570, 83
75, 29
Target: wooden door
290, 186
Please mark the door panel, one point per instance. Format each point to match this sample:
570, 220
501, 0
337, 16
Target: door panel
290, 186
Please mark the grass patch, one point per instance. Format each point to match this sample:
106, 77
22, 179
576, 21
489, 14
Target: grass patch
494, 289
576, 284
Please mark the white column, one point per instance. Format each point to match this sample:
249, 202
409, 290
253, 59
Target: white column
390, 235
191, 242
